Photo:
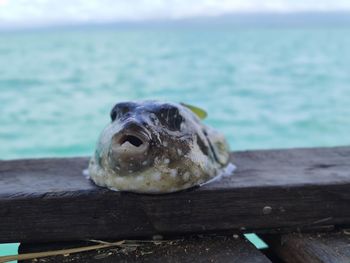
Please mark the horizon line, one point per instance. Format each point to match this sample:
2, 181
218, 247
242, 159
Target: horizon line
240, 18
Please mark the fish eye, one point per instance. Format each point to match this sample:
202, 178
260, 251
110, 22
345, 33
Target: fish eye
121, 109
170, 117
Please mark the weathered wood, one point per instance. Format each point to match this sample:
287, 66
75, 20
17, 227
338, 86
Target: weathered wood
193, 249
312, 248
50, 200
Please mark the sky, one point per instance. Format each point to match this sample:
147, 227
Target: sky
46, 12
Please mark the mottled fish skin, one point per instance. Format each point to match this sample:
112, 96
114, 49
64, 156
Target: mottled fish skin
156, 147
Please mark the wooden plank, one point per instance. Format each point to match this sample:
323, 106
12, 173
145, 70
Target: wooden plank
312, 248
50, 200
193, 249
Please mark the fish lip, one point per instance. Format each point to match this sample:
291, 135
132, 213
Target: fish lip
139, 133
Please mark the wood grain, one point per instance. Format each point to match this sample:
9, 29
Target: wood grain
191, 249
312, 248
273, 190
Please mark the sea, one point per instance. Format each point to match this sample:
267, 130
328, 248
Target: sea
263, 87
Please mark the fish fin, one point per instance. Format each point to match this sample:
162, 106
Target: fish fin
219, 145
202, 114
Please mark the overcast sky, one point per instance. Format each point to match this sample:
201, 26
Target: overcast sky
27, 12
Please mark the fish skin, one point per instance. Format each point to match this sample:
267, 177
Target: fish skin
156, 147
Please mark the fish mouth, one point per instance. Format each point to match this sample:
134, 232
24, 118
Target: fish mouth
133, 139
129, 149
129, 142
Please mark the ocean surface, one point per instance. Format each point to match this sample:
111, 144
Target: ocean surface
264, 88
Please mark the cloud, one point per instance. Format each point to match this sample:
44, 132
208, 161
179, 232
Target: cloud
23, 12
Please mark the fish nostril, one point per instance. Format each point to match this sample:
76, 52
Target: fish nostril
131, 139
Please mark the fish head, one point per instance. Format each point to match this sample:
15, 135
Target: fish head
145, 134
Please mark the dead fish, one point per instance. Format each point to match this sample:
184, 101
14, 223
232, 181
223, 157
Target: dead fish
157, 147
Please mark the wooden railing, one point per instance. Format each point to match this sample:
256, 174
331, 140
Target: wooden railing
273, 193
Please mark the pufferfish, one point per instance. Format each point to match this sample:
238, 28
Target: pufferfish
157, 147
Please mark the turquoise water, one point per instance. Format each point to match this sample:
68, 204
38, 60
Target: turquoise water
262, 87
